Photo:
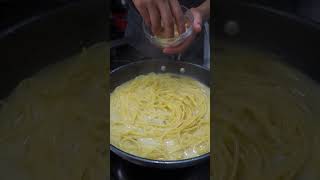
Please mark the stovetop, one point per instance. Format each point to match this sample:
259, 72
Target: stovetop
121, 54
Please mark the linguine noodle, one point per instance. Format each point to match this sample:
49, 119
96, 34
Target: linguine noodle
161, 116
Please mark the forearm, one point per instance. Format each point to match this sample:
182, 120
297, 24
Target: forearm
204, 10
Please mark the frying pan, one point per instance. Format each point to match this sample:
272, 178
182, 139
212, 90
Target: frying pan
129, 71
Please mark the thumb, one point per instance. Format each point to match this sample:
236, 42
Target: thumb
197, 27
197, 22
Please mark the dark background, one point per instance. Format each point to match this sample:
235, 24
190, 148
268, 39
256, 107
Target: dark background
13, 11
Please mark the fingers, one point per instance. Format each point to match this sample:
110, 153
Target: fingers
161, 15
178, 15
166, 18
145, 15
197, 26
143, 12
197, 22
154, 18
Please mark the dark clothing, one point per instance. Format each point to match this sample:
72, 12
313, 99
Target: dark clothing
137, 39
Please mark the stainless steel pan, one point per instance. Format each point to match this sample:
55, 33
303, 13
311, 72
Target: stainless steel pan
130, 71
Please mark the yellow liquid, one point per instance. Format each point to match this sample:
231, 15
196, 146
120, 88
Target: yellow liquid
54, 124
266, 118
161, 117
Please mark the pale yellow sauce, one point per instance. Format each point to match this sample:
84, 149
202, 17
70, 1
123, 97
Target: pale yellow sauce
54, 124
266, 119
161, 117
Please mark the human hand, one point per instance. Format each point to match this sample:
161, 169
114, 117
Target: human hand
161, 16
197, 27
